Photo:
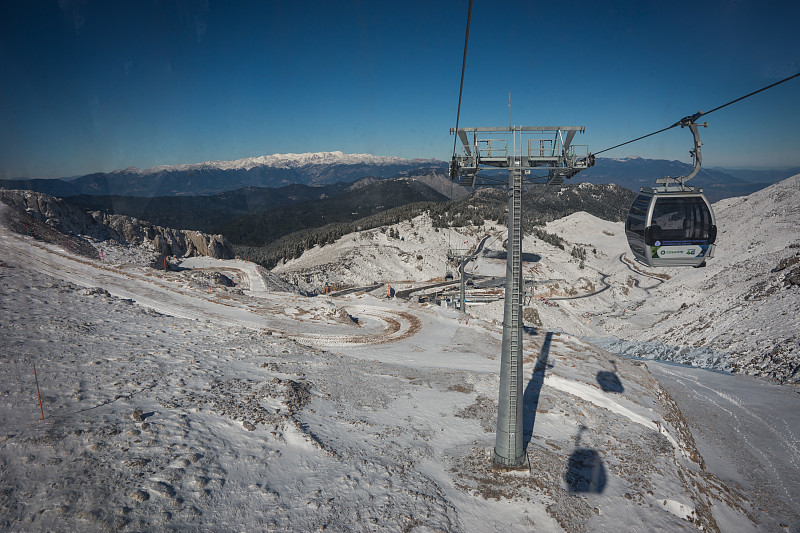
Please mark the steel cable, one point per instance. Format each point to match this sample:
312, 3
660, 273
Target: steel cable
460, 92
463, 68
700, 113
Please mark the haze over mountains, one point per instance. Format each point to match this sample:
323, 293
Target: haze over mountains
717, 183
212, 177
306, 199
324, 168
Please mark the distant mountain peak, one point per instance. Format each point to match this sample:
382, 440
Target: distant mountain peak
288, 160
211, 177
624, 159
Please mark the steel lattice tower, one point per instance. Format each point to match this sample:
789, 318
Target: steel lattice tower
548, 149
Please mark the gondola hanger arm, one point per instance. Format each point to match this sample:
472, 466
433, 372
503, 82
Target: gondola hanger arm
696, 153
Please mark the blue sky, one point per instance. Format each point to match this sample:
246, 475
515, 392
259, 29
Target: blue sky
88, 86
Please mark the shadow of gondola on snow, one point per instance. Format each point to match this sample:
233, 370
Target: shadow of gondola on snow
530, 399
609, 381
585, 470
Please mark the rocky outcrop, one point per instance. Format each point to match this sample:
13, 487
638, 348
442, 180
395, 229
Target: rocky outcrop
55, 213
125, 230
166, 241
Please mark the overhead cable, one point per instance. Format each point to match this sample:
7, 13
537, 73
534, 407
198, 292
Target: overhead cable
463, 68
699, 113
752, 93
460, 91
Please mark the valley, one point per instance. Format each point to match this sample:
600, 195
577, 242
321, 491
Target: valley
194, 392
263, 269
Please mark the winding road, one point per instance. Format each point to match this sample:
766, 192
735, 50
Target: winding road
639, 272
603, 278
172, 294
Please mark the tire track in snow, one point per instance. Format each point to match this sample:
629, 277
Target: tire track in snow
400, 325
787, 444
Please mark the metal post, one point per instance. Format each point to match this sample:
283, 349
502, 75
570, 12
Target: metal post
508, 449
462, 292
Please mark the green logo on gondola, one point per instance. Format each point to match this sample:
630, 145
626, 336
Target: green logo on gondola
665, 251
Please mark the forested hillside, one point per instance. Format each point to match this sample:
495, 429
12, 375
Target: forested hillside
206, 213
540, 205
269, 225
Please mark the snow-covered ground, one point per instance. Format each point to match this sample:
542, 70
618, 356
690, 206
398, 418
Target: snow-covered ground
365, 257
739, 313
174, 401
745, 430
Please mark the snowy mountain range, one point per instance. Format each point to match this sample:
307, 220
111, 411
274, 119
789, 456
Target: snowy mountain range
219, 176
321, 168
284, 161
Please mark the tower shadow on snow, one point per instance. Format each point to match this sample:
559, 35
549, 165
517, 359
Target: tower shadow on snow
530, 398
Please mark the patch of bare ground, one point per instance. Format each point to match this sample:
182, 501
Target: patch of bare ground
475, 474
484, 410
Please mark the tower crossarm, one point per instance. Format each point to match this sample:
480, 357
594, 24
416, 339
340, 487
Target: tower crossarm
546, 148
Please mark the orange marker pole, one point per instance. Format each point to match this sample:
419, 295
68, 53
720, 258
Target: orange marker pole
37, 391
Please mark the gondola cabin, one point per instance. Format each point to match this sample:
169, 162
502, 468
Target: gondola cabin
671, 228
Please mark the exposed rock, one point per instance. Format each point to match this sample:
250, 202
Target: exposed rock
792, 278
96, 291
222, 280
67, 219
140, 495
788, 262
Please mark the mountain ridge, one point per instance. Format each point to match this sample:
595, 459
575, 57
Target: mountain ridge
287, 160
314, 168
209, 212
325, 168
